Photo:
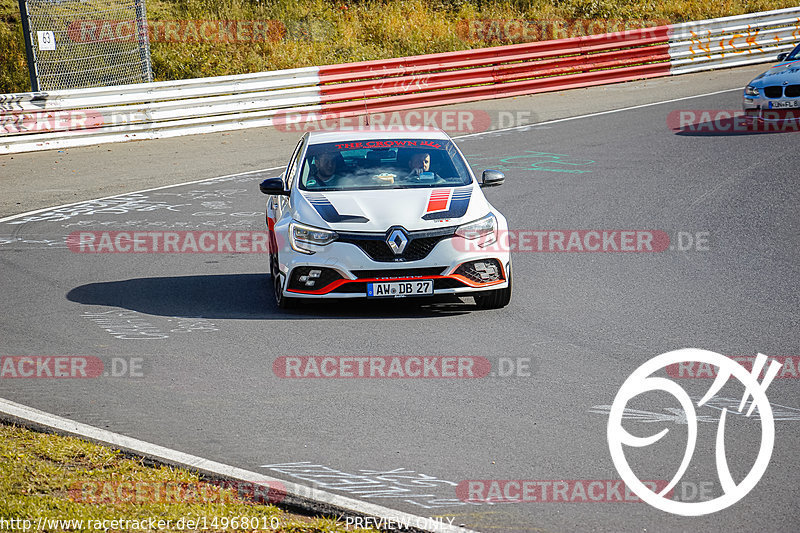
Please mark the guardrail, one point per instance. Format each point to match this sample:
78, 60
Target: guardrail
496, 72
733, 41
37, 121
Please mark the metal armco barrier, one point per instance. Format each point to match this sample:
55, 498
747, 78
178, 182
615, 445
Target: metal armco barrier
496, 72
40, 121
733, 41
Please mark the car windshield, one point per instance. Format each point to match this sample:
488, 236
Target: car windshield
795, 55
383, 164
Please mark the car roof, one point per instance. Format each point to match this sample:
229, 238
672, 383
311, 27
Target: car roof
371, 133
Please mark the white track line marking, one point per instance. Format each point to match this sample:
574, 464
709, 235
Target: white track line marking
37, 211
589, 115
295, 494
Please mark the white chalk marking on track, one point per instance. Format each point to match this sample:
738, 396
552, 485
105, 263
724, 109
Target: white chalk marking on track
204, 180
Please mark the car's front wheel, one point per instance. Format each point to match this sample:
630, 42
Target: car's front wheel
494, 299
283, 302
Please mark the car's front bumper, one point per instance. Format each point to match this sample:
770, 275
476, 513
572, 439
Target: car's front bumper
345, 270
762, 108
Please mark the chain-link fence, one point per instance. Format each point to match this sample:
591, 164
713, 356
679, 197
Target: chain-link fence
86, 43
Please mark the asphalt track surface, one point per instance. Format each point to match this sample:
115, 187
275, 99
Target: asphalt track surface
208, 331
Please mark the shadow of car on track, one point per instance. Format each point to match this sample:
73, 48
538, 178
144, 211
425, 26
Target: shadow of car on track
242, 296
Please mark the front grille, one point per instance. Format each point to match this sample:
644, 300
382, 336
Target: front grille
378, 250
301, 276
481, 271
399, 272
773, 91
420, 244
792, 91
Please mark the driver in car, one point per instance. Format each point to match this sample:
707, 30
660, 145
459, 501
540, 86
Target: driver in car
329, 166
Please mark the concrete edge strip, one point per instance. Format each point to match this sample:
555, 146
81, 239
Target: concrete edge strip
298, 496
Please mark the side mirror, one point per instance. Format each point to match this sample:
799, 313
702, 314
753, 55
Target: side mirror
492, 178
273, 186
783, 56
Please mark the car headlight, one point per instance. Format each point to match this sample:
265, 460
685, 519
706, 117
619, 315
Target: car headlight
484, 228
750, 91
300, 236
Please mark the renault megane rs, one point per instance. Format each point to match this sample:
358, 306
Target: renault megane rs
384, 214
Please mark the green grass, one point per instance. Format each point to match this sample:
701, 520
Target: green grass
13, 65
322, 32
38, 472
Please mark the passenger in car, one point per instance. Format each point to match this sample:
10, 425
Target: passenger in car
420, 166
420, 162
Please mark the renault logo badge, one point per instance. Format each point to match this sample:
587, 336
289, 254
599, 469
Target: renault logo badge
397, 241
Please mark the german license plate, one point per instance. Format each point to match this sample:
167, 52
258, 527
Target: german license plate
787, 104
395, 289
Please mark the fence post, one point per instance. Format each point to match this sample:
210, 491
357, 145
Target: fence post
26, 30
143, 37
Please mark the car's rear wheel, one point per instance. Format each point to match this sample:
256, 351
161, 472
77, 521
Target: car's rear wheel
494, 299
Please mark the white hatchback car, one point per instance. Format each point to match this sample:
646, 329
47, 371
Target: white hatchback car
384, 214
